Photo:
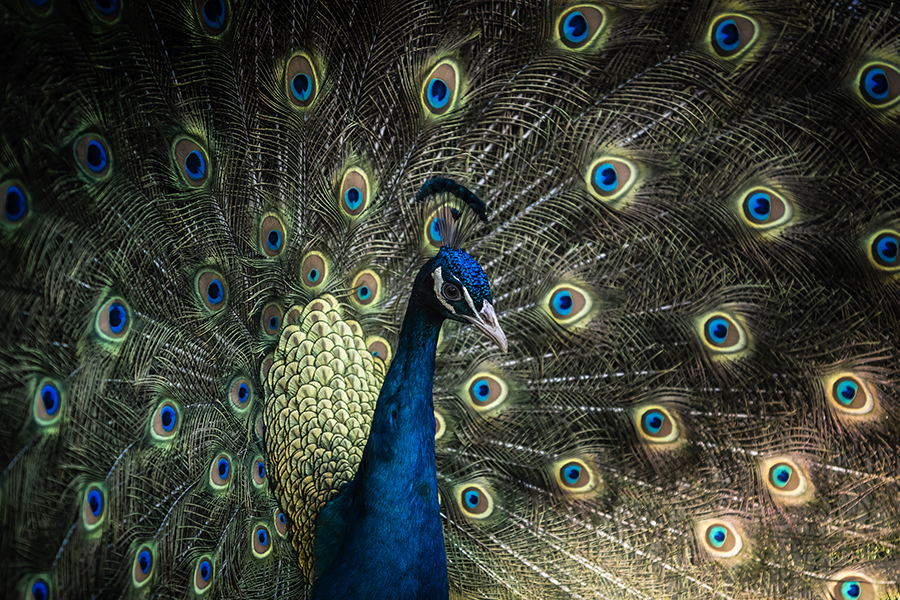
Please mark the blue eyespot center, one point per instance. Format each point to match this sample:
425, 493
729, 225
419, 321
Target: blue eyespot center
117, 317
850, 590
847, 391
434, 230
886, 247
195, 165
572, 474
438, 93
352, 198
728, 36
718, 330
214, 13
95, 501
877, 84
243, 392
782, 475
205, 569
39, 590
313, 275
96, 156
50, 398
167, 417
273, 240
281, 518
145, 561
262, 537
575, 27
653, 421
273, 323
106, 7
606, 178
301, 86
223, 467
472, 498
760, 205
15, 203
562, 302
717, 536
261, 469
363, 292
482, 390
214, 291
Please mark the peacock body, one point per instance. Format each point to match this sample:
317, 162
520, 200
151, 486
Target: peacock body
217, 213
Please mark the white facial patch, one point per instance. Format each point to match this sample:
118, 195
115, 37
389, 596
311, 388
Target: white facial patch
469, 301
438, 284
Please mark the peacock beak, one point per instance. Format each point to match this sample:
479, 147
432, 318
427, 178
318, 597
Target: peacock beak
486, 321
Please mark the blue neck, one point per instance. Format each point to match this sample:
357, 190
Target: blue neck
382, 536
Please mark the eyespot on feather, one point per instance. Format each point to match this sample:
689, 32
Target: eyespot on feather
610, 178
379, 347
240, 394
722, 333
579, 27
848, 395
850, 585
93, 506
261, 541
485, 391
113, 320
884, 251
314, 270
38, 588
353, 197
720, 538
281, 526
271, 319
731, 35
568, 304
475, 501
301, 82
48, 402
271, 235
212, 15
142, 570
106, 10
16, 203
879, 84
366, 288
654, 423
764, 209
440, 88
204, 572
212, 290
166, 420
258, 469
92, 155
192, 162
575, 476
220, 471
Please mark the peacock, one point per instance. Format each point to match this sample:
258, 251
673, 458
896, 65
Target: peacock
471, 299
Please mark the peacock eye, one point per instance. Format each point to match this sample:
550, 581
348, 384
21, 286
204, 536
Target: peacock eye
203, 575
731, 35
853, 586
579, 26
879, 84
301, 81
451, 292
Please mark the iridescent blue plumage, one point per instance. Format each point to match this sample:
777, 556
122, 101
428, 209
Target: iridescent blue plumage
382, 536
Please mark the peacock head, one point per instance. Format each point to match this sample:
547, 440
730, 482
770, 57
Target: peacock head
456, 287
